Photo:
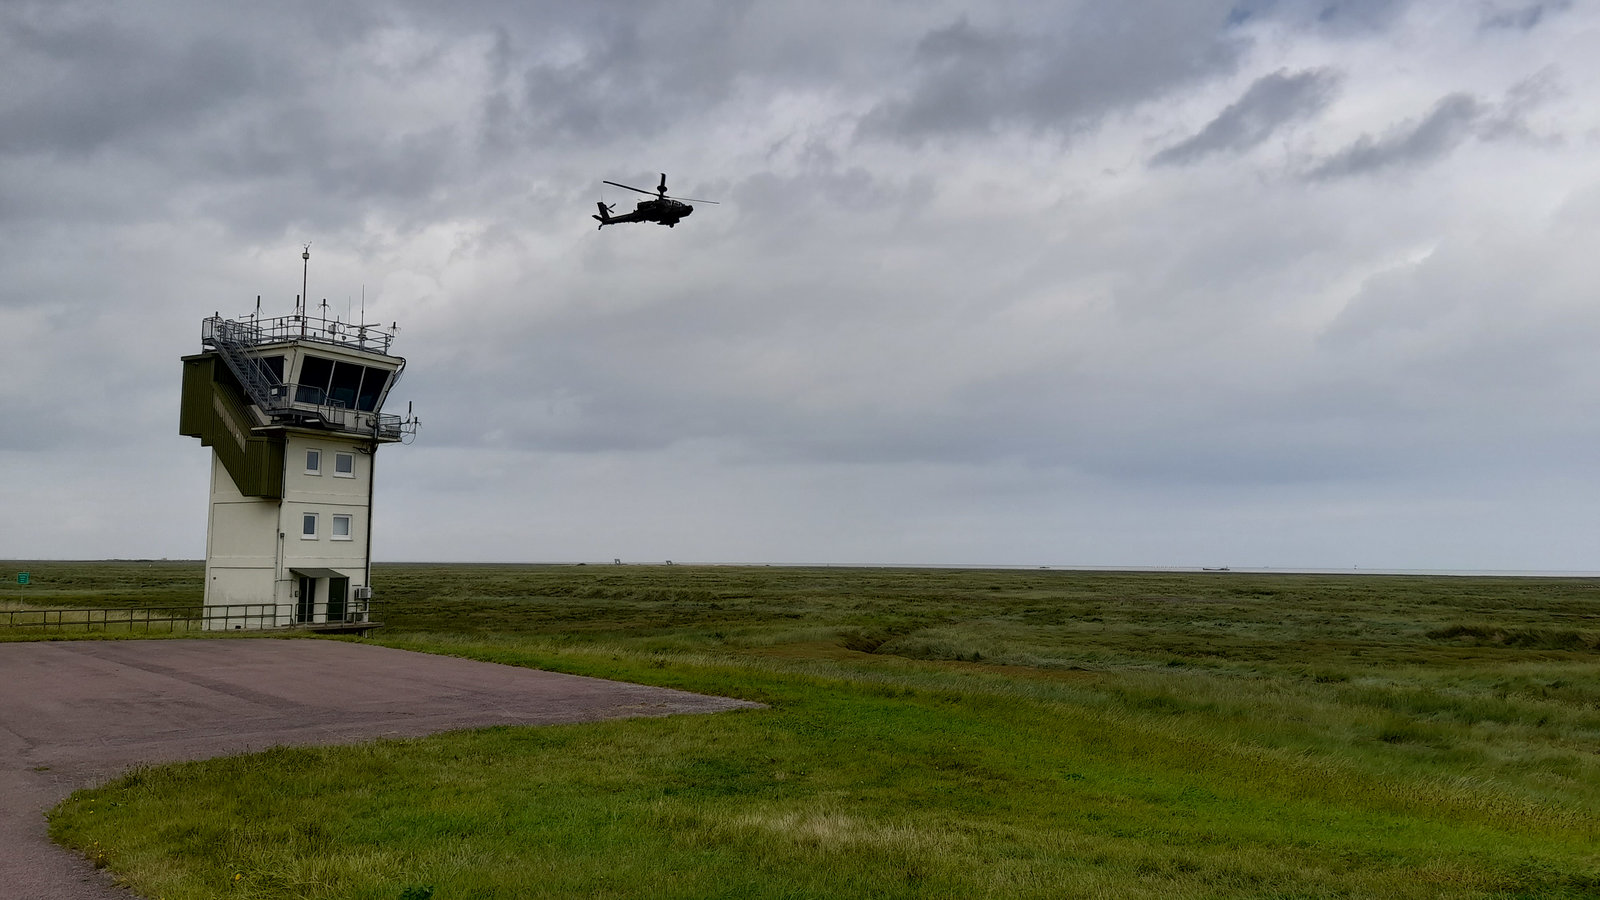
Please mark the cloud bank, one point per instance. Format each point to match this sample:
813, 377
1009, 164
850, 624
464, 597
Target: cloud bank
1245, 283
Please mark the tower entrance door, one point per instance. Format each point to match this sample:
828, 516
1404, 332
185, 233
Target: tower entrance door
338, 596
305, 607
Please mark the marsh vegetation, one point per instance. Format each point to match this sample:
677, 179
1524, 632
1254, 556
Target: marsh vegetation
957, 733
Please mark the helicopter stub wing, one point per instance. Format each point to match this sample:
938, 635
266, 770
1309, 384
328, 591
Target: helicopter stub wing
609, 219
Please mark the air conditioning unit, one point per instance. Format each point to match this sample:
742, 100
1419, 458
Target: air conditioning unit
363, 593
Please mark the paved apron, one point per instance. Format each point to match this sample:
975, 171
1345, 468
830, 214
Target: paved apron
76, 713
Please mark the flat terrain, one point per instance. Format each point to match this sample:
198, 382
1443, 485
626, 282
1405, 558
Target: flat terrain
77, 713
926, 733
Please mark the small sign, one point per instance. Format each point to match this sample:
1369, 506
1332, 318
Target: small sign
22, 578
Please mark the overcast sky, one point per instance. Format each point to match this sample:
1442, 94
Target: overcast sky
1178, 282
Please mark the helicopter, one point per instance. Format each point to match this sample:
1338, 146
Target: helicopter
663, 210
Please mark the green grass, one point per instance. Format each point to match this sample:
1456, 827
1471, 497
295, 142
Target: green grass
144, 582
109, 587
933, 733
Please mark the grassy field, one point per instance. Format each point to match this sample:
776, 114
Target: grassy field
109, 583
929, 733
100, 599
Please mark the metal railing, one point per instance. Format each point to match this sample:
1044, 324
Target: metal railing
351, 611
232, 341
354, 613
295, 403
253, 331
311, 405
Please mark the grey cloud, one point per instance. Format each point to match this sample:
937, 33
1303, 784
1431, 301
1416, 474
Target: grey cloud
1524, 18
221, 121
81, 77
1454, 120
1029, 322
1337, 17
1509, 118
592, 74
94, 84
973, 79
628, 74
1356, 14
1449, 124
1271, 102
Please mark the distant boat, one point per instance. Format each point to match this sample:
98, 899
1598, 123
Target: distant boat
1217, 569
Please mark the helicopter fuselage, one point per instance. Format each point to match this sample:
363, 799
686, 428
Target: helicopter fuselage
661, 211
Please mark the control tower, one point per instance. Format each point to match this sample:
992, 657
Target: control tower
291, 408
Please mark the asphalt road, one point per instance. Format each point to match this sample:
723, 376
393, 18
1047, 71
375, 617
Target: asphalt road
76, 713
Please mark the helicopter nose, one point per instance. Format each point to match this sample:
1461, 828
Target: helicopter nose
688, 211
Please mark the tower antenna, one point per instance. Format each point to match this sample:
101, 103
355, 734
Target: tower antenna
305, 269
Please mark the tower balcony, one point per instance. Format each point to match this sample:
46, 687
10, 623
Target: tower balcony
304, 372
308, 406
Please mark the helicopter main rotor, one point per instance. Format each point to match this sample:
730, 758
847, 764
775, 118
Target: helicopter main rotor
660, 191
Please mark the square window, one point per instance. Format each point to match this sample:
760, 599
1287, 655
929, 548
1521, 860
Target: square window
313, 462
344, 465
308, 527
341, 528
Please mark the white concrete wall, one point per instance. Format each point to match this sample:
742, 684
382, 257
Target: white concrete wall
327, 494
241, 548
244, 530
226, 587
254, 546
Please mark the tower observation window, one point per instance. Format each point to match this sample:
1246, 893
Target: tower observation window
371, 389
315, 371
272, 365
346, 384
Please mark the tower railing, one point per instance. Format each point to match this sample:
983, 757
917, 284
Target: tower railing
252, 331
310, 405
234, 341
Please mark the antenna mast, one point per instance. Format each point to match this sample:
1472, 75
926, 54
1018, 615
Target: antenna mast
305, 268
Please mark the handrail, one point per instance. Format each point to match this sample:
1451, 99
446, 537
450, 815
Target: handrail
305, 398
215, 617
253, 331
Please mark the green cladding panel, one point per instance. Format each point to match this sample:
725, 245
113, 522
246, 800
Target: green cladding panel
214, 410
